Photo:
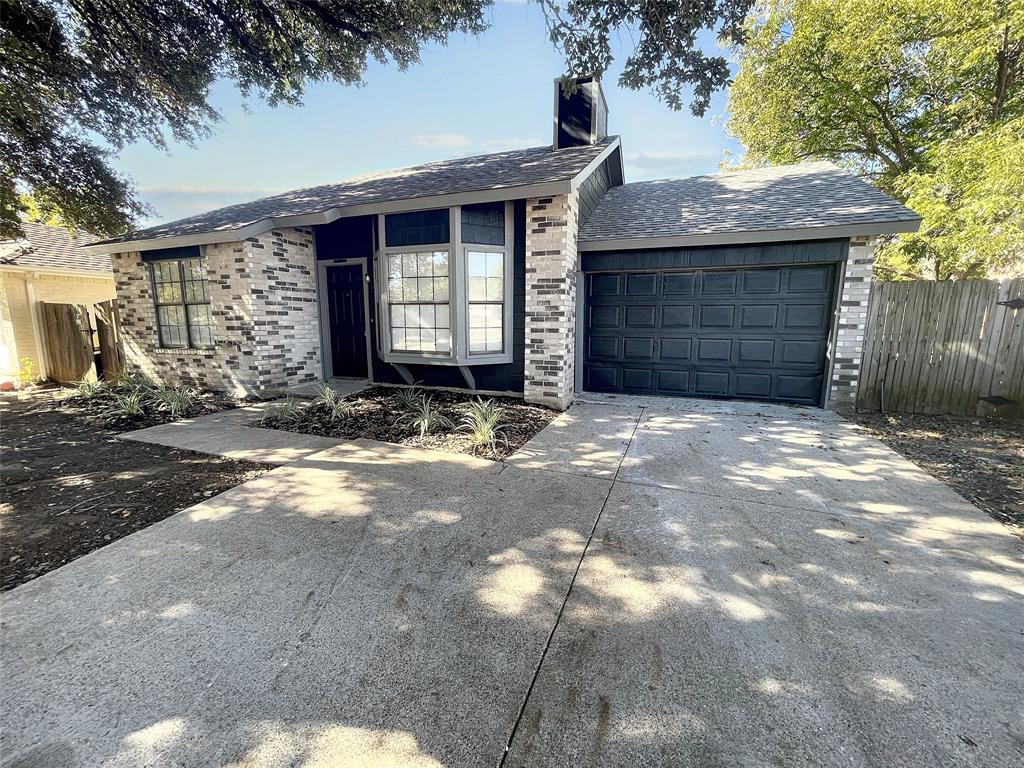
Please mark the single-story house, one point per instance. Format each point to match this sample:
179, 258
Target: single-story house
45, 265
537, 271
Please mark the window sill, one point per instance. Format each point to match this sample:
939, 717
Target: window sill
407, 358
184, 350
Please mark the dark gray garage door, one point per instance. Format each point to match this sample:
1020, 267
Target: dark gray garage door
747, 333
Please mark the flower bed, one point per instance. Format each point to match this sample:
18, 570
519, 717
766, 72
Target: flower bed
397, 415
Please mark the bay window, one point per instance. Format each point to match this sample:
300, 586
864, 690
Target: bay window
445, 285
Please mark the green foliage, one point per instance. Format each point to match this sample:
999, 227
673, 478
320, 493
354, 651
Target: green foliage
126, 381
177, 401
425, 417
409, 398
922, 97
28, 373
130, 403
137, 70
336, 406
288, 411
483, 426
87, 389
665, 58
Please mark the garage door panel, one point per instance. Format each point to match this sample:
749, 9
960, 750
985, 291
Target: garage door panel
677, 316
717, 315
758, 333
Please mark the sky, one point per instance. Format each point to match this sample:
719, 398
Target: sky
478, 94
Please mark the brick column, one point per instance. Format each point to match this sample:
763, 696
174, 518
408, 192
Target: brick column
551, 265
853, 314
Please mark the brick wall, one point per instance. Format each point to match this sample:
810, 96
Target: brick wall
264, 308
551, 265
853, 313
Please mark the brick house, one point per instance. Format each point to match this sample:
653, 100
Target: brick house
535, 271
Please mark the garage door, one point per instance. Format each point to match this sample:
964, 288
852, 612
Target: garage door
757, 333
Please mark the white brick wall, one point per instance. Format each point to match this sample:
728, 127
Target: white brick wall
853, 312
264, 307
551, 265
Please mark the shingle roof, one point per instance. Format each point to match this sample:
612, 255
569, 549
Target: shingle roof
517, 168
45, 247
789, 197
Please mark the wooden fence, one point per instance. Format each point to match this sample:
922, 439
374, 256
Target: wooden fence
72, 352
945, 347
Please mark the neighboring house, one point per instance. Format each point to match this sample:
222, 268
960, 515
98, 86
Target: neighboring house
536, 271
46, 265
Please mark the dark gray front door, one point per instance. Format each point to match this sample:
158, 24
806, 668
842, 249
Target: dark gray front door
758, 333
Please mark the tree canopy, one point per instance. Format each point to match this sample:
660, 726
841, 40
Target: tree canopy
923, 97
80, 79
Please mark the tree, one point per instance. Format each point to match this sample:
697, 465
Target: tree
124, 70
665, 57
78, 74
922, 97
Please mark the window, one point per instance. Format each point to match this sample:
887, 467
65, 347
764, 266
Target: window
418, 304
182, 297
486, 272
445, 288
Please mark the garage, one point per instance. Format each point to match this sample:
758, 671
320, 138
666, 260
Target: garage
753, 333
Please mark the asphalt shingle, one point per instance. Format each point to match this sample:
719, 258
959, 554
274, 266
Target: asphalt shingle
46, 247
516, 168
786, 197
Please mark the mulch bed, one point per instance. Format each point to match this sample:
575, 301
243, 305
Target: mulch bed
375, 415
69, 486
101, 409
982, 459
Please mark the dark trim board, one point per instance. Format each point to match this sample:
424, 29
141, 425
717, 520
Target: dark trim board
764, 254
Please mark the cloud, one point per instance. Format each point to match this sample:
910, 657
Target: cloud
441, 140
501, 145
656, 164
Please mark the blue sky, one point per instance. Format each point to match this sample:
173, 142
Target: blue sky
503, 101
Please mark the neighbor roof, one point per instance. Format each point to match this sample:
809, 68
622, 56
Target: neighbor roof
532, 171
809, 200
52, 248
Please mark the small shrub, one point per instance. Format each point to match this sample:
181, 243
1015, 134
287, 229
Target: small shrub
483, 426
177, 401
125, 381
409, 398
286, 412
425, 417
28, 373
337, 407
130, 403
87, 389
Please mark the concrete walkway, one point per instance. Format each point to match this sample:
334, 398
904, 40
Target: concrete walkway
674, 583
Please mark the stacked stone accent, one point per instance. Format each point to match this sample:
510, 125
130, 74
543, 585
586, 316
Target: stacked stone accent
551, 266
264, 307
852, 323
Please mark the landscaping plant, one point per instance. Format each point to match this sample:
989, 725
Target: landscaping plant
177, 401
425, 417
88, 389
130, 403
338, 408
288, 411
409, 398
483, 426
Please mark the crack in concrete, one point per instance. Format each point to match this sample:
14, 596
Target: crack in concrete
568, 594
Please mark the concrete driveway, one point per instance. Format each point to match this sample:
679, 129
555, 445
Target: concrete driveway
646, 583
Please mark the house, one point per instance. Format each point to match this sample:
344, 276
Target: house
46, 266
536, 271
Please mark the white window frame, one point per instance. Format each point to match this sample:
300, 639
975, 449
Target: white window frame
458, 295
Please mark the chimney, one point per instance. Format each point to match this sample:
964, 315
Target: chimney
581, 118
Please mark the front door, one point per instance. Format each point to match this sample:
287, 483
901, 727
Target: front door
347, 321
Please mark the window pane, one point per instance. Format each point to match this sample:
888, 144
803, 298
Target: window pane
478, 289
444, 340
492, 315
394, 266
200, 325
494, 289
476, 264
195, 280
165, 278
426, 289
397, 316
409, 264
172, 326
440, 262
441, 316
440, 289
494, 264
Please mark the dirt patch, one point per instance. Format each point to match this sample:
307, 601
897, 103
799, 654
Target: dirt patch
102, 408
376, 414
982, 459
69, 486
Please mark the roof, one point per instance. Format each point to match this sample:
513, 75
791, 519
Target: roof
529, 170
807, 200
47, 248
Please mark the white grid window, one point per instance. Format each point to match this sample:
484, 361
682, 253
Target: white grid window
418, 302
485, 271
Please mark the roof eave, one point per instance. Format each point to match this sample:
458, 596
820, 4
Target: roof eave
95, 273
746, 237
489, 195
